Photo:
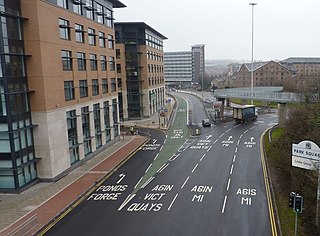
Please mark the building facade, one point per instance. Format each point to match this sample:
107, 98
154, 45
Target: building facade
264, 74
198, 57
304, 67
140, 64
178, 68
66, 87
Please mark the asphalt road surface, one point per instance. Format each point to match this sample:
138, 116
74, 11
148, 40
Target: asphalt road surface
212, 184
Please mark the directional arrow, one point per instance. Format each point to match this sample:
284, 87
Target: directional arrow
121, 178
154, 141
209, 136
251, 139
230, 137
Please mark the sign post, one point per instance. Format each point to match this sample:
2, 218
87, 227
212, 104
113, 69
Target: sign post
306, 155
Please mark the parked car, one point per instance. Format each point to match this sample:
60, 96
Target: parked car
206, 122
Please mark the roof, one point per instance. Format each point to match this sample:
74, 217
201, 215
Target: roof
117, 4
143, 25
258, 65
301, 60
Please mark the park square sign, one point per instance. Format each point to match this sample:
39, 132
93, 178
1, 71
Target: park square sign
305, 155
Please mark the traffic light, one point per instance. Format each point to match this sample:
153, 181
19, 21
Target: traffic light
298, 204
291, 199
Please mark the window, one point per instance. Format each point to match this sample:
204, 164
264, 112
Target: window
97, 124
99, 13
95, 87
79, 33
93, 61
106, 114
64, 29
81, 57
72, 136
89, 9
77, 7
103, 60
109, 17
115, 117
111, 63
68, 90
63, 3
110, 42
66, 60
104, 86
102, 41
113, 85
118, 53
83, 85
85, 116
119, 68
91, 36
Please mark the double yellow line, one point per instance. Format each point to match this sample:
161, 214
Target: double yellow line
267, 185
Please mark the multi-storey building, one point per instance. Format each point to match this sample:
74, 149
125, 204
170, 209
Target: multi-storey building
264, 74
198, 57
178, 68
58, 85
303, 67
140, 67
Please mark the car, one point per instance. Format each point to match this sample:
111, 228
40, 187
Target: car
206, 122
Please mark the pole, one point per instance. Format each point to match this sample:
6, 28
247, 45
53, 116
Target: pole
318, 198
252, 4
296, 225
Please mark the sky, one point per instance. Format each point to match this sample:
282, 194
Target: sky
282, 28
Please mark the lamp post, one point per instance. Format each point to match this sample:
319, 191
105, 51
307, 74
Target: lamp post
252, 4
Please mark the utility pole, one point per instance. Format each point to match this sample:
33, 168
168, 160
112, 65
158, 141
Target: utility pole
252, 4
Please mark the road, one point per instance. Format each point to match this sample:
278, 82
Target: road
211, 184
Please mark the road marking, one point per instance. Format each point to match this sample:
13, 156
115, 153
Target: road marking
185, 182
146, 183
234, 157
209, 148
236, 126
231, 170
253, 127
128, 199
174, 156
172, 202
202, 157
240, 136
148, 168
194, 168
224, 204
238, 142
121, 177
138, 182
236, 150
161, 148
155, 158
228, 184
246, 131
228, 130
221, 135
163, 167
215, 141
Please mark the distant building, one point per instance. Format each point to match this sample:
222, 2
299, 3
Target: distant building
303, 67
268, 73
198, 57
140, 67
178, 68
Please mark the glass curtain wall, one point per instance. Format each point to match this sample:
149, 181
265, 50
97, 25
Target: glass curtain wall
17, 155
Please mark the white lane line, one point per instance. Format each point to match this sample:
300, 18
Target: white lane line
228, 130
224, 204
228, 184
172, 202
231, 170
155, 158
238, 142
128, 199
148, 168
240, 136
146, 183
163, 167
236, 126
185, 182
161, 148
234, 157
202, 157
194, 168
246, 131
236, 150
138, 182
221, 135
209, 148
215, 141
253, 127
174, 156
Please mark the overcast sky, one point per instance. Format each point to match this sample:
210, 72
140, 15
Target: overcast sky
282, 28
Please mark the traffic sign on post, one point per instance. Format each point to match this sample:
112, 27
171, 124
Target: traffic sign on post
298, 204
291, 199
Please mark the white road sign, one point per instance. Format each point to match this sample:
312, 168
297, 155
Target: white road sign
306, 155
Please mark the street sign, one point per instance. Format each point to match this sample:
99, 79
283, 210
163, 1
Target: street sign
305, 155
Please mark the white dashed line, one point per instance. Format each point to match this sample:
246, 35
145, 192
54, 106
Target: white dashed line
224, 204
231, 170
209, 148
234, 157
185, 182
202, 157
228, 184
172, 202
195, 168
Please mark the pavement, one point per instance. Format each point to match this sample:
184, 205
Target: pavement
33, 209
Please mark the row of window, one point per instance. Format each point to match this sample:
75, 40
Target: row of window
90, 9
69, 88
64, 28
154, 42
155, 81
155, 68
154, 56
67, 61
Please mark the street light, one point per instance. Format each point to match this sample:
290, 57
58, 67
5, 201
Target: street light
252, 4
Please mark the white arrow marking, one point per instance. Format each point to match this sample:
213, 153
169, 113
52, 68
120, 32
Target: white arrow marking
209, 136
252, 138
154, 141
230, 137
128, 199
121, 178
